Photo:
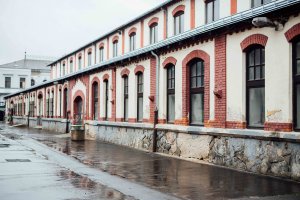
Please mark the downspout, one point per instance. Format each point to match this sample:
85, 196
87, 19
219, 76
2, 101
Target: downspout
154, 138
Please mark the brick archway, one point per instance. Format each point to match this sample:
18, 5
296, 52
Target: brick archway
139, 68
132, 30
169, 60
179, 8
254, 39
186, 85
292, 32
77, 94
105, 77
125, 72
154, 20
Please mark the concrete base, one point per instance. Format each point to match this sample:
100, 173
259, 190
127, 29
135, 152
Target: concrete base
77, 133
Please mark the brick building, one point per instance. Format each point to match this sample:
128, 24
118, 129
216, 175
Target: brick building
226, 68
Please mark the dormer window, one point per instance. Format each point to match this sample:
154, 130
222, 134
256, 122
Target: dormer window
178, 23
132, 39
212, 9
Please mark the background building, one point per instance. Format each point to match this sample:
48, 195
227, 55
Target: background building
22, 74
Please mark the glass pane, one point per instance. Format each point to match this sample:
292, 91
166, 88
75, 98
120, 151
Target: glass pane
199, 68
257, 57
96, 111
216, 10
251, 73
193, 70
267, 1
298, 50
298, 66
297, 125
126, 109
209, 13
193, 82
173, 83
171, 107
263, 72
199, 81
251, 58
256, 106
181, 23
256, 3
197, 108
263, 56
140, 109
257, 73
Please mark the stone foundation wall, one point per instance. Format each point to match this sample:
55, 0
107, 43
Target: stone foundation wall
276, 158
56, 125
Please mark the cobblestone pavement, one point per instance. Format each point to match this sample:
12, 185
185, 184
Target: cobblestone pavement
171, 176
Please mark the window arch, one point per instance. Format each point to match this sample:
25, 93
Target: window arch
140, 94
95, 100
170, 93
255, 86
196, 87
296, 82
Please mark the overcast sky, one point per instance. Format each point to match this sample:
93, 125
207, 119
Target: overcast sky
57, 27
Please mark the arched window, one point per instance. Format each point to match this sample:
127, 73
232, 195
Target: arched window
125, 78
101, 54
60, 101
48, 105
79, 63
132, 40
255, 86
296, 82
89, 58
51, 113
179, 22
140, 91
115, 48
170, 93
40, 102
64, 69
71, 66
153, 33
65, 104
196, 69
95, 100
106, 89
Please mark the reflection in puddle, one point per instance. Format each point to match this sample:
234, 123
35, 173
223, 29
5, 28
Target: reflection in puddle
181, 178
100, 191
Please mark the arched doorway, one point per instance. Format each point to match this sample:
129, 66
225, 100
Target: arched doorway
78, 110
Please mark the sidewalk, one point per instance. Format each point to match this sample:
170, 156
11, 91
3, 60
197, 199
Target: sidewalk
31, 170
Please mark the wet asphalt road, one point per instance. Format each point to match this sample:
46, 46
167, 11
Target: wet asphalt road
183, 179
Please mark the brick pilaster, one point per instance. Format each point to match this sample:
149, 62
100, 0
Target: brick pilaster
113, 100
220, 82
152, 88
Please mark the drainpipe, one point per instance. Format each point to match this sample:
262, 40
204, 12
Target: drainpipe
156, 102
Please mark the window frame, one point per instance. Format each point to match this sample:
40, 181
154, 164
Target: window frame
7, 83
132, 41
71, 66
153, 29
295, 81
262, 2
115, 48
95, 100
79, 63
170, 89
125, 90
22, 82
180, 16
255, 83
89, 58
213, 11
140, 94
106, 96
196, 90
101, 54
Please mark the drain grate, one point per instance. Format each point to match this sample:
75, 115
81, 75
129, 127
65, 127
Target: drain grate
17, 160
4, 145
